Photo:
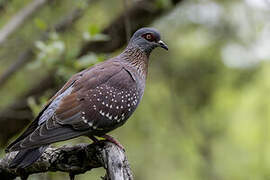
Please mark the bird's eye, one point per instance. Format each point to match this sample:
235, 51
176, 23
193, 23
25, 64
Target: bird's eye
149, 37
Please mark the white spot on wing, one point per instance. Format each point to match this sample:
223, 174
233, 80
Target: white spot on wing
101, 112
90, 123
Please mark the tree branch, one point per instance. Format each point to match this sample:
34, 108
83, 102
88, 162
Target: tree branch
75, 160
19, 18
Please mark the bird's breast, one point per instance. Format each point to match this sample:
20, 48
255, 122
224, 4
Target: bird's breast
107, 107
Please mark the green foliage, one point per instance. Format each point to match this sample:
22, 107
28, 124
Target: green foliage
50, 52
94, 34
42, 25
163, 3
88, 60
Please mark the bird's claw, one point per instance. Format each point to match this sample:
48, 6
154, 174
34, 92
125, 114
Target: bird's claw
114, 141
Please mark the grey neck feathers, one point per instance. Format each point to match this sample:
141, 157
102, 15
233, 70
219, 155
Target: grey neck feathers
137, 58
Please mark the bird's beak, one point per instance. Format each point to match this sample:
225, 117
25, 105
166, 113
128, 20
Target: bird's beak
163, 45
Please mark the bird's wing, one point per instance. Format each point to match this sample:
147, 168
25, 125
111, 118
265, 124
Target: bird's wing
62, 117
31, 128
77, 108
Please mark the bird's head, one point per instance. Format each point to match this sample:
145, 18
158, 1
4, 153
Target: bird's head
147, 39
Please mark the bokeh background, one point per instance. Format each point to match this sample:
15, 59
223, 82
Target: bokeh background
205, 114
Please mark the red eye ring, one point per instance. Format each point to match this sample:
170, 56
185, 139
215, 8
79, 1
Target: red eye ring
149, 37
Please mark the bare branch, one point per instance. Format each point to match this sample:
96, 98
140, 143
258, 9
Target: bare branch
19, 18
75, 160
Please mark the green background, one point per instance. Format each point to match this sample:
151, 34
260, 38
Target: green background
205, 113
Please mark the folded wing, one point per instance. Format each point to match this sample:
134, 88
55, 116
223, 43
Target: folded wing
62, 118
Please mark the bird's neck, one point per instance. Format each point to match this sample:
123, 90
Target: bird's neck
136, 58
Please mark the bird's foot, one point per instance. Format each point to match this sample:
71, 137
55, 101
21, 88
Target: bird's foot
108, 138
114, 141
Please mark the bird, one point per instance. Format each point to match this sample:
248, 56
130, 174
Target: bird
93, 102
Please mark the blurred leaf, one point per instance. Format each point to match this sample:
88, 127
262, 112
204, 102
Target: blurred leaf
88, 60
163, 3
42, 25
50, 52
93, 29
97, 37
94, 34
65, 72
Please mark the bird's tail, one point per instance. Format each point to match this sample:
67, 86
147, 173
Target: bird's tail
26, 157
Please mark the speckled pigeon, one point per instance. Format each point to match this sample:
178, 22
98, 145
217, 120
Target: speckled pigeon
93, 102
